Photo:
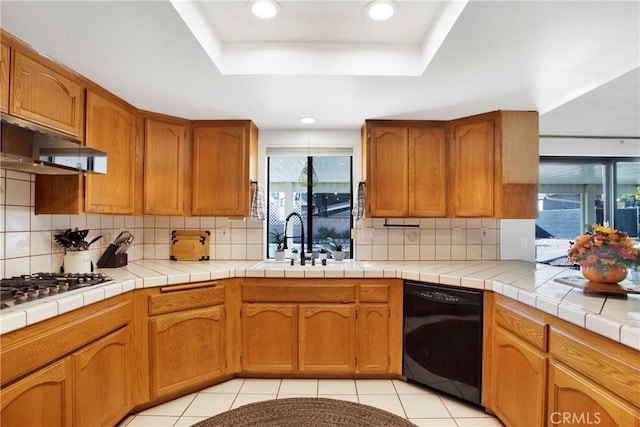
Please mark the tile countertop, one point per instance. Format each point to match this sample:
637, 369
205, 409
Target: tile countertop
532, 284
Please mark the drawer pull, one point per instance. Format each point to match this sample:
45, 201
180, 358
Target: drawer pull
188, 286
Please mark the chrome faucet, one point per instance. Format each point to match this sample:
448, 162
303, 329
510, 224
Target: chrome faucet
286, 225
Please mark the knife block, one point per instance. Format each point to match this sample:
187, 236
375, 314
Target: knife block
110, 259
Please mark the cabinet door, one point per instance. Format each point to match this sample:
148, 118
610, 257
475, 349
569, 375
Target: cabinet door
164, 168
102, 373
111, 127
40, 399
473, 169
577, 401
4, 78
427, 172
270, 337
186, 349
373, 337
45, 96
327, 338
519, 381
387, 172
220, 163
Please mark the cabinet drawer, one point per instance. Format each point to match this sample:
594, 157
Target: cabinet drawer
523, 325
177, 298
611, 365
298, 293
373, 293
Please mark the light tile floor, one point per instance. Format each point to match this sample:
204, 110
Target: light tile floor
419, 405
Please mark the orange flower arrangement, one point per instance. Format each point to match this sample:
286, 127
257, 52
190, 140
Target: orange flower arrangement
603, 247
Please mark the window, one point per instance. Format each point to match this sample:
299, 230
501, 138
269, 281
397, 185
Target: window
319, 189
577, 192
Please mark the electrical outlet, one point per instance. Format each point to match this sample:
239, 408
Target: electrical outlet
367, 234
483, 232
457, 233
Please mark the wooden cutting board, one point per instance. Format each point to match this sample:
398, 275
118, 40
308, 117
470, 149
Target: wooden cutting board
190, 245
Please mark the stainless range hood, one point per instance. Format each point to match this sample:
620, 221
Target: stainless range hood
28, 148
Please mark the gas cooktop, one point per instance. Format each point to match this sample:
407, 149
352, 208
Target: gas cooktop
21, 290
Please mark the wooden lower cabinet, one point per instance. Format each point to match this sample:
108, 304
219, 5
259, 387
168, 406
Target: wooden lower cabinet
321, 327
315, 338
327, 338
187, 348
101, 372
269, 337
547, 372
373, 338
43, 398
88, 388
574, 400
519, 380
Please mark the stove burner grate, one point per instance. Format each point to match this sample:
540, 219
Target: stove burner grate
26, 288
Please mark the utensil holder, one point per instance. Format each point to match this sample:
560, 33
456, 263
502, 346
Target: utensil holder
77, 262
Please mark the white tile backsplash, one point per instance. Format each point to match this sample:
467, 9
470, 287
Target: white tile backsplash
18, 192
27, 245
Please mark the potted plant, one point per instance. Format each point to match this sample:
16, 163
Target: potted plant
294, 254
604, 254
338, 254
278, 238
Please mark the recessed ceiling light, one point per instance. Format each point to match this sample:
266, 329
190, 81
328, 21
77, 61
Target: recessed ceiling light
380, 10
307, 120
264, 8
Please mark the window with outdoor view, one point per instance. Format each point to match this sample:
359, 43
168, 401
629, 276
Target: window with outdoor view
319, 190
575, 193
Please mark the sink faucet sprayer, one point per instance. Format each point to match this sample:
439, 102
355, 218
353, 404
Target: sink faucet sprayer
286, 225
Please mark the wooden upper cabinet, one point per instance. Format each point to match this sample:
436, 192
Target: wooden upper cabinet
520, 163
494, 165
46, 95
4, 77
165, 164
111, 127
387, 171
405, 168
224, 161
427, 171
472, 169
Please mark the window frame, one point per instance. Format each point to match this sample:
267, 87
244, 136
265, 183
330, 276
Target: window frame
309, 219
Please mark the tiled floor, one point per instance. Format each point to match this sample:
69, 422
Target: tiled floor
421, 406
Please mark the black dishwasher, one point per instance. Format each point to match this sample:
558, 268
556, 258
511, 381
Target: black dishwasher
442, 343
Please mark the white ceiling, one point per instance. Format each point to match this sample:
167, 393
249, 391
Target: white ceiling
576, 62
